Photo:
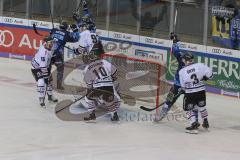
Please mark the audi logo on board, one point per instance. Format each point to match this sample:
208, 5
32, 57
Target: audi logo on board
149, 40
117, 35
216, 50
6, 38
8, 20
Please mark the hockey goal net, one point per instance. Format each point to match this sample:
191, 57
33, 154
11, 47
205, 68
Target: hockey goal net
140, 79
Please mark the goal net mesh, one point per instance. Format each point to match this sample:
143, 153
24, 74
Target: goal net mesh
140, 80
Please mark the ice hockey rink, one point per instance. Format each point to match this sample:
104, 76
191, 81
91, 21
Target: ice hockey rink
29, 132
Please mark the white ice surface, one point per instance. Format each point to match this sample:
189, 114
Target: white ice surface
28, 132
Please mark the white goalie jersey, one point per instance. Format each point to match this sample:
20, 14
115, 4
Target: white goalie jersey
42, 58
191, 77
99, 73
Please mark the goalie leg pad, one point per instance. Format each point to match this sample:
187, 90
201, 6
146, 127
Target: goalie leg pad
91, 104
115, 104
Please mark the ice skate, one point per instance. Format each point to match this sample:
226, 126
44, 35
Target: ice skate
193, 129
41, 100
205, 124
162, 114
115, 117
51, 98
91, 118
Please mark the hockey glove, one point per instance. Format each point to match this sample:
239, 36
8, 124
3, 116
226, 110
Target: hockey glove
205, 78
181, 91
76, 16
84, 5
80, 50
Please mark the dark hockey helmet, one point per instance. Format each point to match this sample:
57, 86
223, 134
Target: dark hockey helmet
47, 39
187, 56
64, 25
48, 42
91, 56
86, 18
92, 27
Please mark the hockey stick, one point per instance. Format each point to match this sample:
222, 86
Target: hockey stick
34, 25
151, 109
79, 5
66, 103
122, 95
36, 31
50, 11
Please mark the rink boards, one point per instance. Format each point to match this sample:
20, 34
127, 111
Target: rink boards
18, 40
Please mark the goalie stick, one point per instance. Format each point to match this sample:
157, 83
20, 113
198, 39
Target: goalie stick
151, 109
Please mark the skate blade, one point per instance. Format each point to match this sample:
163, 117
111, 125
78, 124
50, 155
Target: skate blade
52, 102
91, 121
116, 122
43, 107
206, 129
192, 131
157, 120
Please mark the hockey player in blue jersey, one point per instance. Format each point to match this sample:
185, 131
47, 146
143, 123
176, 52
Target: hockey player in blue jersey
175, 90
86, 17
62, 36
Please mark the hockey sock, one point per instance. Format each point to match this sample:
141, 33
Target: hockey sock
50, 90
203, 112
191, 115
41, 88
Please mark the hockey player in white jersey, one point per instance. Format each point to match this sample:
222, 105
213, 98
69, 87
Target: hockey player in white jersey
88, 40
41, 70
99, 75
191, 80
